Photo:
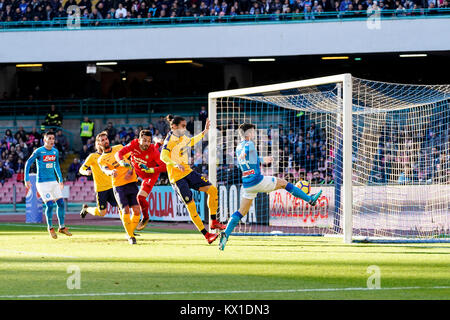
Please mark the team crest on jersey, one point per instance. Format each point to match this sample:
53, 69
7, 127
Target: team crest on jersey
48, 158
47, 195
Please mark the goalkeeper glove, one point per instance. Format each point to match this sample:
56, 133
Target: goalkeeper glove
125, 164
146, 169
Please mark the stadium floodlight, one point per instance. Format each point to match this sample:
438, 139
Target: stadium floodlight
335, 58
261, 59
380, 142
413, 55
29, 65
178, 61
106, 63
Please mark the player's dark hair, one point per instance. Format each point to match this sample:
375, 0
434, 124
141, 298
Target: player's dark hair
49, 133
146, 133
176, 120
243, 128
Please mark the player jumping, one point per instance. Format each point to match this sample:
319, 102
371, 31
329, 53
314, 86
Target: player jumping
124, 181
146, 161
253, 181
102, 184
49, 182
183, 178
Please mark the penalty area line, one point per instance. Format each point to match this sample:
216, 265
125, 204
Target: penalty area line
87, 228
36, 253
212, 292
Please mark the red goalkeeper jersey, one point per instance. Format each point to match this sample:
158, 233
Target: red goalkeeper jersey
149, 157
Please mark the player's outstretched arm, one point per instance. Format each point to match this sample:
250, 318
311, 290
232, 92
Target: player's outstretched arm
120, 156
85, 169
105, 168
26, 170
196, 139
165, 157
58, 169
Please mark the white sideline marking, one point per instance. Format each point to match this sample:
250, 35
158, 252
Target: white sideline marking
37, 253
212, 292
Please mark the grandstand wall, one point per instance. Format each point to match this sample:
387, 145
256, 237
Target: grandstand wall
200, 41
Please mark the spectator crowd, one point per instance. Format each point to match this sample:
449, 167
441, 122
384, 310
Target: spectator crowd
47, 10
15, 149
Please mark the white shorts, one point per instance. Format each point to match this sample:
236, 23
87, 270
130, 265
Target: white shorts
49, 190
267, 184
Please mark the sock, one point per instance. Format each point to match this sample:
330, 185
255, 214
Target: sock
195, 217
235, 218
94, 211
60, 212
49, 213
127, 224
297, 192
213, 202
134, 222
143, 203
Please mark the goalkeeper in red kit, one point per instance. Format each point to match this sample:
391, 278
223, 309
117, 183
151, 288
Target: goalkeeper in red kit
145, 159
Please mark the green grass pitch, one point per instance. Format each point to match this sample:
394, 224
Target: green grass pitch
177, 264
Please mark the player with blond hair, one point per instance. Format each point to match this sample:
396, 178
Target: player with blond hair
102, 184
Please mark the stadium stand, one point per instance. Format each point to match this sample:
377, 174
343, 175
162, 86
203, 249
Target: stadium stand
98, 11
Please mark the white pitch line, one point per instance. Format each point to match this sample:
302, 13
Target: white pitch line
37, 253
75, 228
212, 292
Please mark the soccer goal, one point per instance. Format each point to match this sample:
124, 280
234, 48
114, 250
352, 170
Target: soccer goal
379, 151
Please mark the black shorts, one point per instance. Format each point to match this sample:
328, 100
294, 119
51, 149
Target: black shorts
192, 181
126, 195
103, 197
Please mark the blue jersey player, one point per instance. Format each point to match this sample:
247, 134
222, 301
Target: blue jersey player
49, 182
253, 181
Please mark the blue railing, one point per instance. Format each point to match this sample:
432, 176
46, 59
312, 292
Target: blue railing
83, 22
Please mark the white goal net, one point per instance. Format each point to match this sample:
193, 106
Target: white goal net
379, 152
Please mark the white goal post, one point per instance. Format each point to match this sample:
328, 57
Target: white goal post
351, 116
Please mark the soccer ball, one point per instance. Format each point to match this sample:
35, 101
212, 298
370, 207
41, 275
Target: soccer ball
304, 186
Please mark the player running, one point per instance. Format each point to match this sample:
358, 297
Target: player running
102, 184
183, 178
124, 182
49, 182
253, 181
146, 161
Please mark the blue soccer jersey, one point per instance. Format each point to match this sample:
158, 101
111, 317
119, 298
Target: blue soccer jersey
249, 163
47, 164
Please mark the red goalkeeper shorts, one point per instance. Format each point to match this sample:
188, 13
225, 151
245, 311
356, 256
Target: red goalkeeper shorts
149, 181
